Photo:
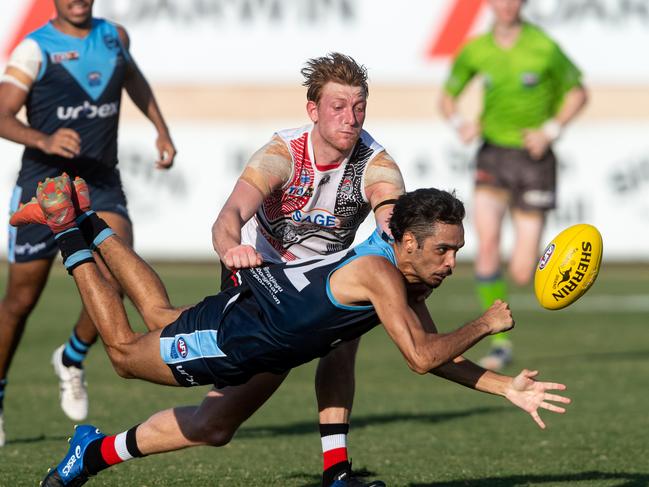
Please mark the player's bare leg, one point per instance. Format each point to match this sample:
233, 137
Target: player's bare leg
335, 385
148, 294
490, 206
25, 285
528, 227
140, 283
67, 359
212, 423
132, 355
84, 327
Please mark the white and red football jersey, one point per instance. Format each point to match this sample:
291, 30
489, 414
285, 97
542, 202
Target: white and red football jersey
316, 211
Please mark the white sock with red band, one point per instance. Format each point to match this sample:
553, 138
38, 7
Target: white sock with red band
114, 450
334, 451
111, 450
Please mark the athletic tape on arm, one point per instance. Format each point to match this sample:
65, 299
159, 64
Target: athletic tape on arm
26, 57
272, 160
383, 169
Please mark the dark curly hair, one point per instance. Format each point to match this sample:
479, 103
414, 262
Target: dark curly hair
418, 211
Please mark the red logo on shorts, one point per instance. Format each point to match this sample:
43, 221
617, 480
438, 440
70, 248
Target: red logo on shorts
181, 346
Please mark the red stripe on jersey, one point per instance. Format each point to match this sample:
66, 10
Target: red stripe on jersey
332, 457
280, 203
108, 452
326, 167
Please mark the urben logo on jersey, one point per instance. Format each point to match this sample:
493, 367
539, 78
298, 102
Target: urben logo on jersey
87, 110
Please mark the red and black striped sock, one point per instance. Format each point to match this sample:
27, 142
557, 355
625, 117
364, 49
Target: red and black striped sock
334, 451
111, 450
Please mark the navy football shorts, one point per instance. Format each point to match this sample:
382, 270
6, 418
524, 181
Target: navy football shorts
190, 345
33, 242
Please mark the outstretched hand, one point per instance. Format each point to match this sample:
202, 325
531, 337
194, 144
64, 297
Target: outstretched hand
530, 395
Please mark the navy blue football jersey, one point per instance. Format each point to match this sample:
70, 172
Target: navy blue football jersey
299, 318
79, 86
278, 317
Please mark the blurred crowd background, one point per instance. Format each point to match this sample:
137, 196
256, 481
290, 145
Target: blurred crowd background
226, 74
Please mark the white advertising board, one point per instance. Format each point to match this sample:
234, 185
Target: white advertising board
603, 180
267, 41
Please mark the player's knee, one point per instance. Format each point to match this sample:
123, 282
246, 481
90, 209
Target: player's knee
19, 305
120, 362
212, 434
219, 437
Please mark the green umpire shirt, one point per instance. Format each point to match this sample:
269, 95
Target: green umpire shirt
524, 84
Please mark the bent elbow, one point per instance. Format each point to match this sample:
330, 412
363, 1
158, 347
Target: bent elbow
418, 364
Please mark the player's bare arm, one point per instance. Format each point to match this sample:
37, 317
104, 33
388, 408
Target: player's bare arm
376, 280
522, 390
13, 95
538, 141
140, 92
226, 231
268, 169
383, 185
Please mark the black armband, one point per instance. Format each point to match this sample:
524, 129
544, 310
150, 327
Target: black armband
391, 201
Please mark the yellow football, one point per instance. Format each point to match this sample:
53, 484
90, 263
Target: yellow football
568, 267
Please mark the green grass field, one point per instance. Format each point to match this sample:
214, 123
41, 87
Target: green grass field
407, 430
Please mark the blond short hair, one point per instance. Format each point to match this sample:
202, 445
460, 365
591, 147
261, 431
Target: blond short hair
335, 67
